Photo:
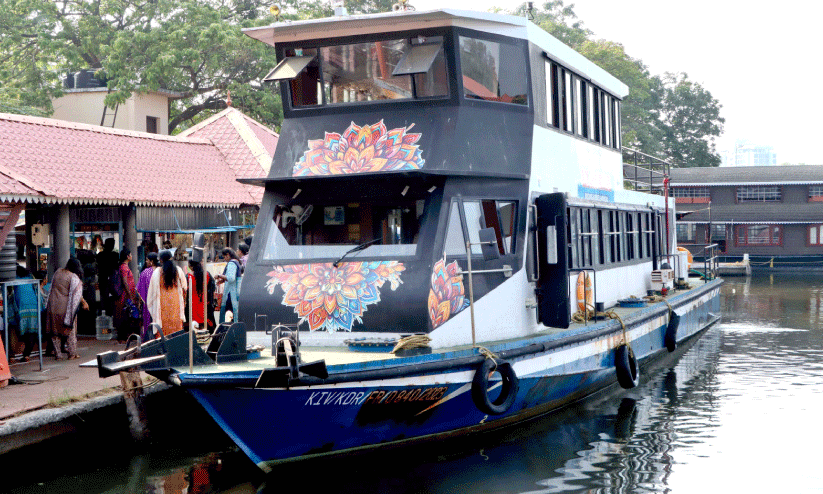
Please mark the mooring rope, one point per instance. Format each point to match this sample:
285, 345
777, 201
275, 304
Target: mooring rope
488, 354
412, 341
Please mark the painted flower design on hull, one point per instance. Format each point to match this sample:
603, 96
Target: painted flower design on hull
370, 148
334, 298
447, 295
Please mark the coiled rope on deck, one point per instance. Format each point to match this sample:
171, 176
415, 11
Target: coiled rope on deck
412, 341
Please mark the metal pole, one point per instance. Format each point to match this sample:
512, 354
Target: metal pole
205, 290
471, 288
6, 316
191, 330
39, 323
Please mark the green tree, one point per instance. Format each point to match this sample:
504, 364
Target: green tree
195, 50
669, 116
691, 121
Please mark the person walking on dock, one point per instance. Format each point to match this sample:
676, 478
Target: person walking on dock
24, 310
230, 279
127, 304
195, 277
65, 299
167, 294
106, 266
152, 262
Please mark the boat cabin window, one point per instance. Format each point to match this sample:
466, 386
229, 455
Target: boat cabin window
601, 237
493, 71
329, 230
480, 214
371, 71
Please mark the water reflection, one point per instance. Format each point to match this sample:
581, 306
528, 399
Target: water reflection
735, 410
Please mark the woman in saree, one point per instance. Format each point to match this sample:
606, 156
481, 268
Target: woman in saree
167, 295
65, 299
143, 290
127, 297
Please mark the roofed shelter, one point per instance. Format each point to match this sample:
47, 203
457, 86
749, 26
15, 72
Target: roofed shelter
71, 174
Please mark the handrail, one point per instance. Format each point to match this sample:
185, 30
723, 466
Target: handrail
638, 167
710, 261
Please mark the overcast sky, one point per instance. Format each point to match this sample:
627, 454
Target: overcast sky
759, 60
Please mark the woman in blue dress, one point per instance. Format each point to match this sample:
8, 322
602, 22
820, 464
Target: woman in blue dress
26, 311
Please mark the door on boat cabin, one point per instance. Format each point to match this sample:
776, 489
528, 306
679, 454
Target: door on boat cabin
552, 267
489, 226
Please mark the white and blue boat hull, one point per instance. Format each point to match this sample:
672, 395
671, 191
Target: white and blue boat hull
276, 424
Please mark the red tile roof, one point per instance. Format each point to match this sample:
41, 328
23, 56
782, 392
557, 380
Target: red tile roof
247, 145
47, 160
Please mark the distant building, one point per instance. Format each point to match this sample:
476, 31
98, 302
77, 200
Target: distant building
774, 214
83, 102
747, 154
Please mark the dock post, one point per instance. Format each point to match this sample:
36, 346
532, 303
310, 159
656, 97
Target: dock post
135, 407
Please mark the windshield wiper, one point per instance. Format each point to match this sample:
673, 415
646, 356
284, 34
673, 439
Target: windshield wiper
355, 249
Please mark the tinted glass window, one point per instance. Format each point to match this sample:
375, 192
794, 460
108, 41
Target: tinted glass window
493, 71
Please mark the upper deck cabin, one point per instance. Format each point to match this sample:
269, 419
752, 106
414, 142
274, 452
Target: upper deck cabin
407, 135
463, 90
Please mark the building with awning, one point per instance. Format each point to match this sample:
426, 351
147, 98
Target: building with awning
71, 178
772, 213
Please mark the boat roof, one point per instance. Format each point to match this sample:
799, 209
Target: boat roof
500, 24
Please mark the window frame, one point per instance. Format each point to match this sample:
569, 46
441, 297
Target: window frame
287, 94
758, 193
819, 228
747, 243
504, 249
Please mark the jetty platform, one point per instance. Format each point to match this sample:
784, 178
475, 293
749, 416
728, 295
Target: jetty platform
53, 401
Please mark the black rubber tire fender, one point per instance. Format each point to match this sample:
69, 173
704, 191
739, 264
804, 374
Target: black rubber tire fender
625, 363
670, 338
480, 387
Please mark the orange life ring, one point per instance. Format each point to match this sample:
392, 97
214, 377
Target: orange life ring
688, 255
585, 294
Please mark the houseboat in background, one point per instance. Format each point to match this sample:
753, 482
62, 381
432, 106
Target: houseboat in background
444, 208
772, 215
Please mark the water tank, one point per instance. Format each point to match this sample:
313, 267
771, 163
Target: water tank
85, 79
68, 82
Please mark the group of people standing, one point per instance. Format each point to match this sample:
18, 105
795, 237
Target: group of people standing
159, 296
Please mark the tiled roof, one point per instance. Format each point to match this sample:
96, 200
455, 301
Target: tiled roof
746, 175
47, 160
758, 213
247, 145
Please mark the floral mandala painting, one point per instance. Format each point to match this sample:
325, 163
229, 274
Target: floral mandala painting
361, 149
333, 298
447, 296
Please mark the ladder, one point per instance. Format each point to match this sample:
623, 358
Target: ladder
109, 112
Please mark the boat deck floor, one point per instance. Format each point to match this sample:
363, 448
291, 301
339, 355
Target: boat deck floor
342, 354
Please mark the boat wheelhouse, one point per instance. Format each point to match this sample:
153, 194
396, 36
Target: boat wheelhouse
410, 133
442, 180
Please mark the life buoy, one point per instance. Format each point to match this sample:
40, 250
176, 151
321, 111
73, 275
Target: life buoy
670, 338
626, 366
689, 257
480, 387
585, 296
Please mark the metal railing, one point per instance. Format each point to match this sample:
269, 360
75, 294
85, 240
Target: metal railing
710, 255
644, 172
711, 262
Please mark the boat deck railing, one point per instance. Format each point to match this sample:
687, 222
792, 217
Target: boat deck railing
711, 261
643, 172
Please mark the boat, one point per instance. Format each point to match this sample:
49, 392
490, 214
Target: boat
442, 179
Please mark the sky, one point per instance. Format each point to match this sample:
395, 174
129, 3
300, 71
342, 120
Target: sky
758, 59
